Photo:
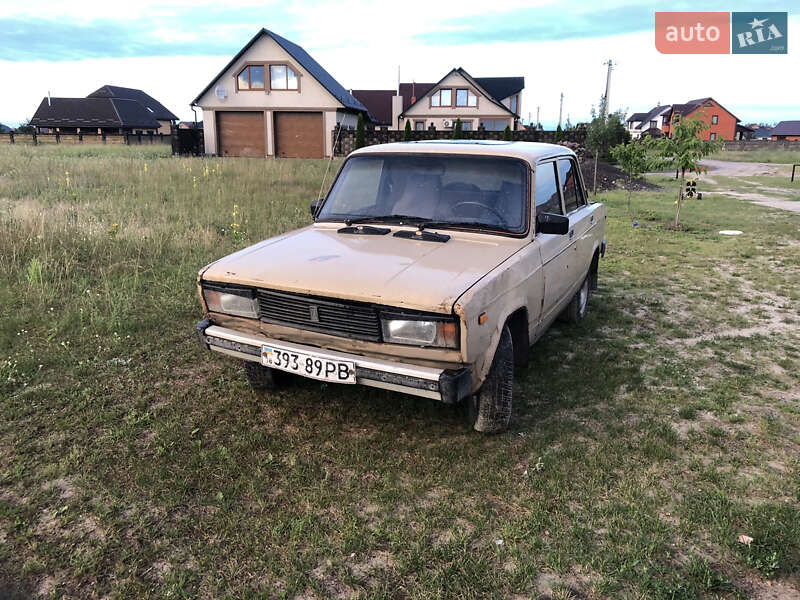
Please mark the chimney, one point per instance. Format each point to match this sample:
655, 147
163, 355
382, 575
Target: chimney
48, 97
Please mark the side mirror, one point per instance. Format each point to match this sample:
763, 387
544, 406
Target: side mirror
550, 223
315, 204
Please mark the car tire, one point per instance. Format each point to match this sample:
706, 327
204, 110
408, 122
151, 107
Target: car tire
489, 409
577, 307
261, 377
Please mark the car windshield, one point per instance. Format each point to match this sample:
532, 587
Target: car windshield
451, 191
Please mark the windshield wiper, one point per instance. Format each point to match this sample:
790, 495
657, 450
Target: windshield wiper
364, 230
460, 224
385, 219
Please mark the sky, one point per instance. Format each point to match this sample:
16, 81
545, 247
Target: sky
172, 50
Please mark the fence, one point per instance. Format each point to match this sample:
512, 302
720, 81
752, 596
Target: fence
46, 139
345, 141
744, 145
188, 142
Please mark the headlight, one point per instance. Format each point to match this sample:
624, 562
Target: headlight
241, 302
420, 332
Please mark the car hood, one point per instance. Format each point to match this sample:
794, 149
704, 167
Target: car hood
382, 269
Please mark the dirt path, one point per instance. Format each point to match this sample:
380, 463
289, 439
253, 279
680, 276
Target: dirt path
779, 198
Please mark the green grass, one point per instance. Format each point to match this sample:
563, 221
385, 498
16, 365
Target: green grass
765, 155
135, 464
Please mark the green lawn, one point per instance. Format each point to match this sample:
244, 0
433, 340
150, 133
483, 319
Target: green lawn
133, 464
766, 155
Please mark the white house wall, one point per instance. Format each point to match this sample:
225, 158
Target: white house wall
423, 111
312, 96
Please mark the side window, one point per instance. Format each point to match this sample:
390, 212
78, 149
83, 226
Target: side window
570, 185
547, 198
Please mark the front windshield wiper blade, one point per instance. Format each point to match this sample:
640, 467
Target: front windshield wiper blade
385, 219
460, 224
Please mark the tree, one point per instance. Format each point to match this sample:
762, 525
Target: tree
360, 131
25, 127
635, 159
458, 128
507, 134
604, 131
559, 133
407, 131
684, 149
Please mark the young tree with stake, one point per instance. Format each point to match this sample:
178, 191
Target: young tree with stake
684, 149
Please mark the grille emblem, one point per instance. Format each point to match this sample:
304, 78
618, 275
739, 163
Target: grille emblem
313, 314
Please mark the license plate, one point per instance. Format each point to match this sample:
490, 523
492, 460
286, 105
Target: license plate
308, 364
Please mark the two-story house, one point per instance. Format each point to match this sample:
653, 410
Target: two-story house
722, 124
491, 102
274, 99
648, 123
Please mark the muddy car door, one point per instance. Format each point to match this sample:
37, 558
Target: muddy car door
581, 219
556, 250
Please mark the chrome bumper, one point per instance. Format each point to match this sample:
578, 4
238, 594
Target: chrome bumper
445, 385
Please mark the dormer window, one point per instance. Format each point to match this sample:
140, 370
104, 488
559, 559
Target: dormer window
251, 78
282, 77
465, 97
443, 97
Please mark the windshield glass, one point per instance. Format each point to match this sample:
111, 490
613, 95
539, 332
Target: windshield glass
456, 191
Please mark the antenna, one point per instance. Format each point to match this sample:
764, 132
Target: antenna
327, 168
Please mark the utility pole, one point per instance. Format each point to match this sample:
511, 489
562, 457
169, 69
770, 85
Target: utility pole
560, 108
537, 115
610, 64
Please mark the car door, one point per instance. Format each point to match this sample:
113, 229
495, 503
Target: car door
556, 250
581, 220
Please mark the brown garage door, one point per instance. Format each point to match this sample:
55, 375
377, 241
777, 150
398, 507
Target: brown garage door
299, 135
241, 133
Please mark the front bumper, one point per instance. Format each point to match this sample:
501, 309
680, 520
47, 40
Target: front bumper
446, 385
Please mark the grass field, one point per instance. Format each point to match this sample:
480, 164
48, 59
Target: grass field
133, 464
766, 155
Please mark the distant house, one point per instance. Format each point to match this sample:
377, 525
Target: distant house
722, 123
640, 123
158, 110
109, 109
274, 99
190, 125
493, 103
786, 130
744, 132
93, 115
761, 132
4, 128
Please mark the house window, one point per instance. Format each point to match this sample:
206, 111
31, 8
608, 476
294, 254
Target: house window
494, 124
653, 124
466, 125
419, 125
443, 97
466, 98
514, 102
714, 119
712, 137
282, 77
251, 78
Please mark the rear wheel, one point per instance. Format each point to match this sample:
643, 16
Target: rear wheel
576, 309
489, 409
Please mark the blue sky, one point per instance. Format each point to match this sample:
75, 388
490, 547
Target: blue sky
173, 50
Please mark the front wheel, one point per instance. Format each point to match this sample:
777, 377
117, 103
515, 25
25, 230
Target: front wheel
489, 409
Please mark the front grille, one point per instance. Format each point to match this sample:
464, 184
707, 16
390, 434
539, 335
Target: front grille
336, 317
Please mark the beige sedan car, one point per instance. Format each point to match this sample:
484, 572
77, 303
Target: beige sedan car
430, 269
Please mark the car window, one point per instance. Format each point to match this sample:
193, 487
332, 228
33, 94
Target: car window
547, 198
567, 172
490, 192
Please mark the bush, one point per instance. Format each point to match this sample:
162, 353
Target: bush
407, 132
457, 130
507, 134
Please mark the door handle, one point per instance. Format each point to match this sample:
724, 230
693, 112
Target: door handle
591, 219
571, 233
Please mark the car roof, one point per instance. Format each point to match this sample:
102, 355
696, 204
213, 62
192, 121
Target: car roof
528, 151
